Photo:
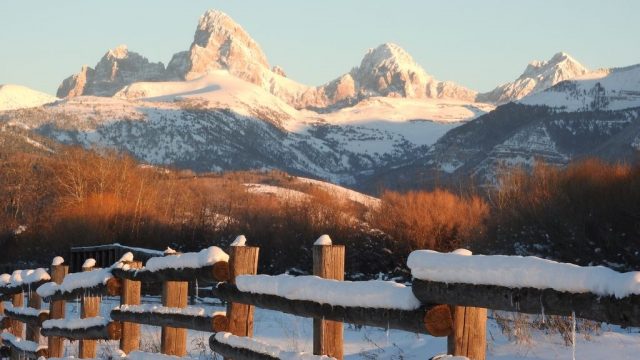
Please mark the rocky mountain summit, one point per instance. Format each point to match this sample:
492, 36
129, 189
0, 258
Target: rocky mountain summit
538, 76
118, 68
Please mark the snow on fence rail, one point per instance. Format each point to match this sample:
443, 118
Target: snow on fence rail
193, 318
92, 328
22, 280
526, 284
245, 348
373, 303
27, 349
27, 315
210, 264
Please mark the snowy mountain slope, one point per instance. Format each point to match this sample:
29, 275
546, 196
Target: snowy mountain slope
538, 76
516, 135
342, 192
198, 129
13, 97
610, 89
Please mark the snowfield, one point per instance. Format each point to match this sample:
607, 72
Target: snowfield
14, 97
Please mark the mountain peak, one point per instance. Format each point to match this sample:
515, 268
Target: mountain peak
220, 43
389, 55
119, 52
537, 76
389, 70
561, 66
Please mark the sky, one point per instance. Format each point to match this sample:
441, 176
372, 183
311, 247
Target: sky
479, 44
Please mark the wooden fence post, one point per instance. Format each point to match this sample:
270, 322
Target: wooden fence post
35, 302
57, 311
90, 307
130, 339
469, 335
17, 328
243, 260
328, 263
174, 294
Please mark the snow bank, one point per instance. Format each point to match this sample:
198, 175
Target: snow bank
159, 309
141, 355
520, 272
263, 348
323, 240
369, 294
24, 345
200, 259
23, 310
24, 277
73, 324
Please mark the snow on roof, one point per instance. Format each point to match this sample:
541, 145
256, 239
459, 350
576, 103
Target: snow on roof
372, 294
521, 272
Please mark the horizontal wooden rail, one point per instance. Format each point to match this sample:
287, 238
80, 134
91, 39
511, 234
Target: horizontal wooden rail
206, 323
624, 312
111, 331
24, 287
212, 273
33, 320
434, 320
16, 348
111, 288
230, 352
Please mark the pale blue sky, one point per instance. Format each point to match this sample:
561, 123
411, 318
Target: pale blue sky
479, 44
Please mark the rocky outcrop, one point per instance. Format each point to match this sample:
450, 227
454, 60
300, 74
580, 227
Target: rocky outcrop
538, 76
118, 68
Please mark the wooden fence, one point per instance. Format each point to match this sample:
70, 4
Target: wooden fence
458, 311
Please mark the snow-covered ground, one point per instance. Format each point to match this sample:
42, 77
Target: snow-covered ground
17, 97
292, 333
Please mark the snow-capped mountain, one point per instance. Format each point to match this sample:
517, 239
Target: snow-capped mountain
389, 71
118, 68
606, 89
14, 97
222, 44
538, 76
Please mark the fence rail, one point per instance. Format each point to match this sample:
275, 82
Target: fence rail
456, 310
